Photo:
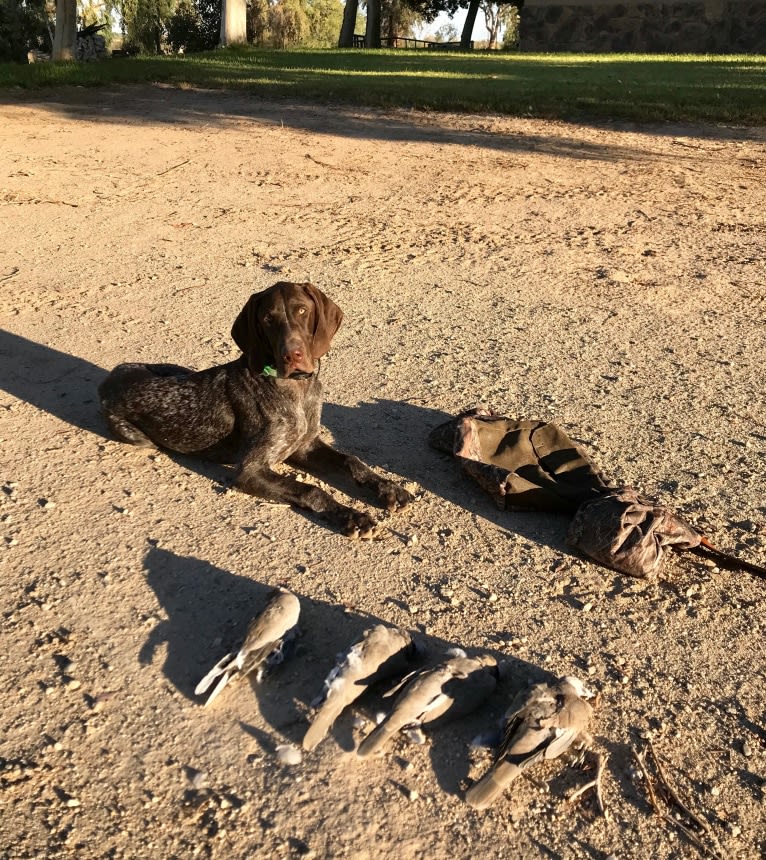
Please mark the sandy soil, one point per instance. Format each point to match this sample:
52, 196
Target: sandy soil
611, 278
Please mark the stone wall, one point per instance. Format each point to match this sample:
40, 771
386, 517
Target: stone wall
681, 27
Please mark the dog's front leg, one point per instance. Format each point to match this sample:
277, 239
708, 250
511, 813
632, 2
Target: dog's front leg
257, 478
319, 457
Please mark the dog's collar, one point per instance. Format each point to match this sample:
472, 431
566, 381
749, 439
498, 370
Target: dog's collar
271, 372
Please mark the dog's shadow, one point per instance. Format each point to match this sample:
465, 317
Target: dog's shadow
400, 445
56, 382
208, 610
65, 386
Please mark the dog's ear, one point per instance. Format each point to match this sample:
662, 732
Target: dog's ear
328, 319
248, 334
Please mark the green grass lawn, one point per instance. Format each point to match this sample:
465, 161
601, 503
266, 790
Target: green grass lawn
638, 87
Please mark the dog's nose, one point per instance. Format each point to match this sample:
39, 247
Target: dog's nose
293, 356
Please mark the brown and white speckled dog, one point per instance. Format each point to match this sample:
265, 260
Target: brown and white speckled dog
260, 410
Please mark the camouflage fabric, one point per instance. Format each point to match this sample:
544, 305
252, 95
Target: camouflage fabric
535, 465
521, 464
628, 532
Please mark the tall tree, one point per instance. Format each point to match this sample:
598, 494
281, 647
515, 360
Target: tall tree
372, 33
65, 34
398, 21
470, 21
288, 23
495, 16
429, 9
233, 23
346, 39
257, 21
325, 18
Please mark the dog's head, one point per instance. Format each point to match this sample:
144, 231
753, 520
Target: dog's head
284, 329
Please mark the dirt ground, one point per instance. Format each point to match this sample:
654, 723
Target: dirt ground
610, 278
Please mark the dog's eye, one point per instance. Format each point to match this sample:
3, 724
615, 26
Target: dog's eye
301, 311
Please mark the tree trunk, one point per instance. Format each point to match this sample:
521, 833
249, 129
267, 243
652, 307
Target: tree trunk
372, 34
233, 23
346, 39
65, 35
470, 20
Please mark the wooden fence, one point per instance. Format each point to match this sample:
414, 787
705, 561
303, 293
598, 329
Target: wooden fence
404, 42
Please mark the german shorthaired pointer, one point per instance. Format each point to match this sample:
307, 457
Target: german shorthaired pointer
260, 410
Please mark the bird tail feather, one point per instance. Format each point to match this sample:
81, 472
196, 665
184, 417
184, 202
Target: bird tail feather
484, 792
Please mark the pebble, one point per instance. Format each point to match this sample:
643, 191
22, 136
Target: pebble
747, 749
413, 794
72, 684
198, 779
288, 754
72, 802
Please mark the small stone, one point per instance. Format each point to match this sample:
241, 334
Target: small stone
586, 607
411, 540
492, 598
413, 794
715, 791
624, 679
72, 802
198, 779
72, 684
288, 754
747, 749
735, 829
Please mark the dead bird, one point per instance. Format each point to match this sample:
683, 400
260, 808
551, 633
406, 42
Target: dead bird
455, 687
541, 723
383, 652
268, 636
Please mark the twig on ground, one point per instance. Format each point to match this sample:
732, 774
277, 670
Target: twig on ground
668, 819
648, 781
672, 794
594, 783
180, 164
14, 271
673, 797
323, 163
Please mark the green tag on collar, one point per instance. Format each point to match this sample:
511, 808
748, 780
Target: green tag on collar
268, 370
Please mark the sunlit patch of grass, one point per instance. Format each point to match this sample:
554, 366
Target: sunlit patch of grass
639, 87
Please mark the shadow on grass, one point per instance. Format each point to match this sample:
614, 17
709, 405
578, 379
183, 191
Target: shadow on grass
585, 90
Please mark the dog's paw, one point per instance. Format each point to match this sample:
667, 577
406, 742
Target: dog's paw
394, 497
360, 526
